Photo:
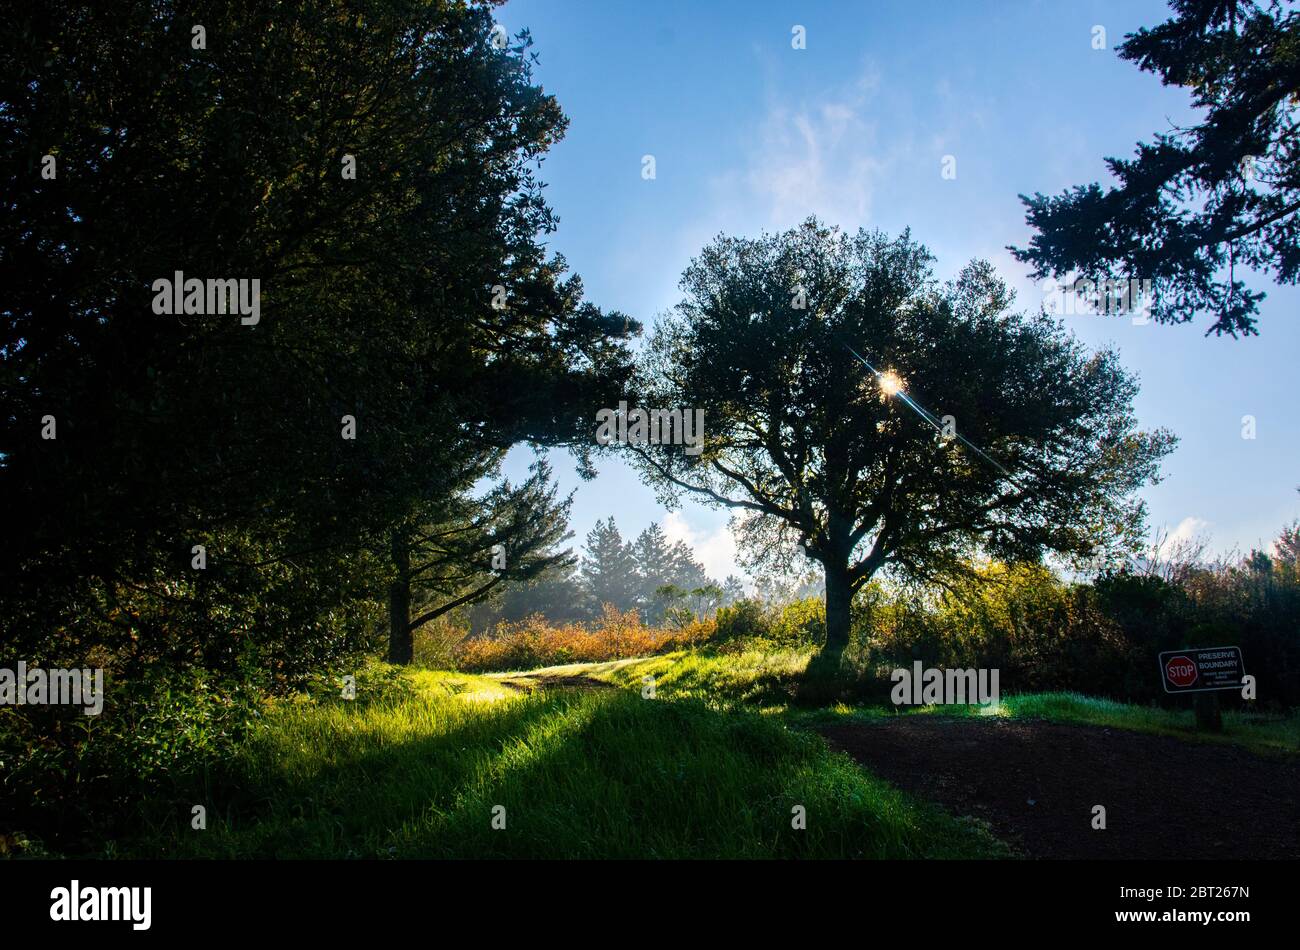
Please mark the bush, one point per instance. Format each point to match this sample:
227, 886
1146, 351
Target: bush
801, 623
435, 644
798, 623
1102, 638
747, 619
68, 780
534, 642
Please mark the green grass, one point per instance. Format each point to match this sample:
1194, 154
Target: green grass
711, 767
1263, 734
758, 678
766, 680
580, 774
1260, 733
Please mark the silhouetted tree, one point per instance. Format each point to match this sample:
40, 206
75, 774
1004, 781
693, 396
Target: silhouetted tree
822, 453
469, 547
412, 325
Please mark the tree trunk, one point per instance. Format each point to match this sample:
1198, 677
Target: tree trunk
839, 597
400, 647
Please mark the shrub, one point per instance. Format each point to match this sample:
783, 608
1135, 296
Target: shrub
435, 644
535, 642
801, 622
67, 779
747, 619
1102, 638
797, 623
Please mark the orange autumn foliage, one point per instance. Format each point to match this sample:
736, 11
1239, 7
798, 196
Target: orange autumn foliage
535, 642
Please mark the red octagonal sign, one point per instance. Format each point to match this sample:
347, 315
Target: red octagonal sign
1181, 670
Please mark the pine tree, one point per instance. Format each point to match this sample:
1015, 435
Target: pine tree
469, 548
411, 325
733, 590
660, 566
1206, 204
654, 569
683, 570
609, 568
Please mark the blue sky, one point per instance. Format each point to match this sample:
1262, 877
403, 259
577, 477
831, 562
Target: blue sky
749, 134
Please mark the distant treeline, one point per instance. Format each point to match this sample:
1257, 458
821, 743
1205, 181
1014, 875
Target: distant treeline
659, 579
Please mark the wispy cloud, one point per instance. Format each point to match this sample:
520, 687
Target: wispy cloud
820, 157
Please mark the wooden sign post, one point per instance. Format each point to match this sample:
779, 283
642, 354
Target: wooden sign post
1203, 671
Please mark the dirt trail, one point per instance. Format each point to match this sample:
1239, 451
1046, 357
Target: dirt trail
527, 682
1036, 783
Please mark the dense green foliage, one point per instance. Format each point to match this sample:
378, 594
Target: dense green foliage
1103, 638
73, 782
1100, 637
414, 299
212, 505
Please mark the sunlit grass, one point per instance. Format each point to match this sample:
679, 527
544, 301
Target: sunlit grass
1257, 732
710, 767
760, 679
1261, 733
578, 774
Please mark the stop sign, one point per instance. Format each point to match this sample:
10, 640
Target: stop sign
1180, 670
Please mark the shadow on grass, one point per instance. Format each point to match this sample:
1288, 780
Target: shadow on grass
320, 789
830, 679
580, 775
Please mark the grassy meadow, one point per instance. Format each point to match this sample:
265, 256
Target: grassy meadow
667, 742
699, 753
579, 773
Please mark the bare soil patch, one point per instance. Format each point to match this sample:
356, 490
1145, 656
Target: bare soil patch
1036, 782
556, 681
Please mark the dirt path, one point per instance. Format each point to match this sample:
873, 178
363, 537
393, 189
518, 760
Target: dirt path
1036, 783
527, 682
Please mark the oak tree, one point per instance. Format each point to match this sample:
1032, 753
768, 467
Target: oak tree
863, 414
